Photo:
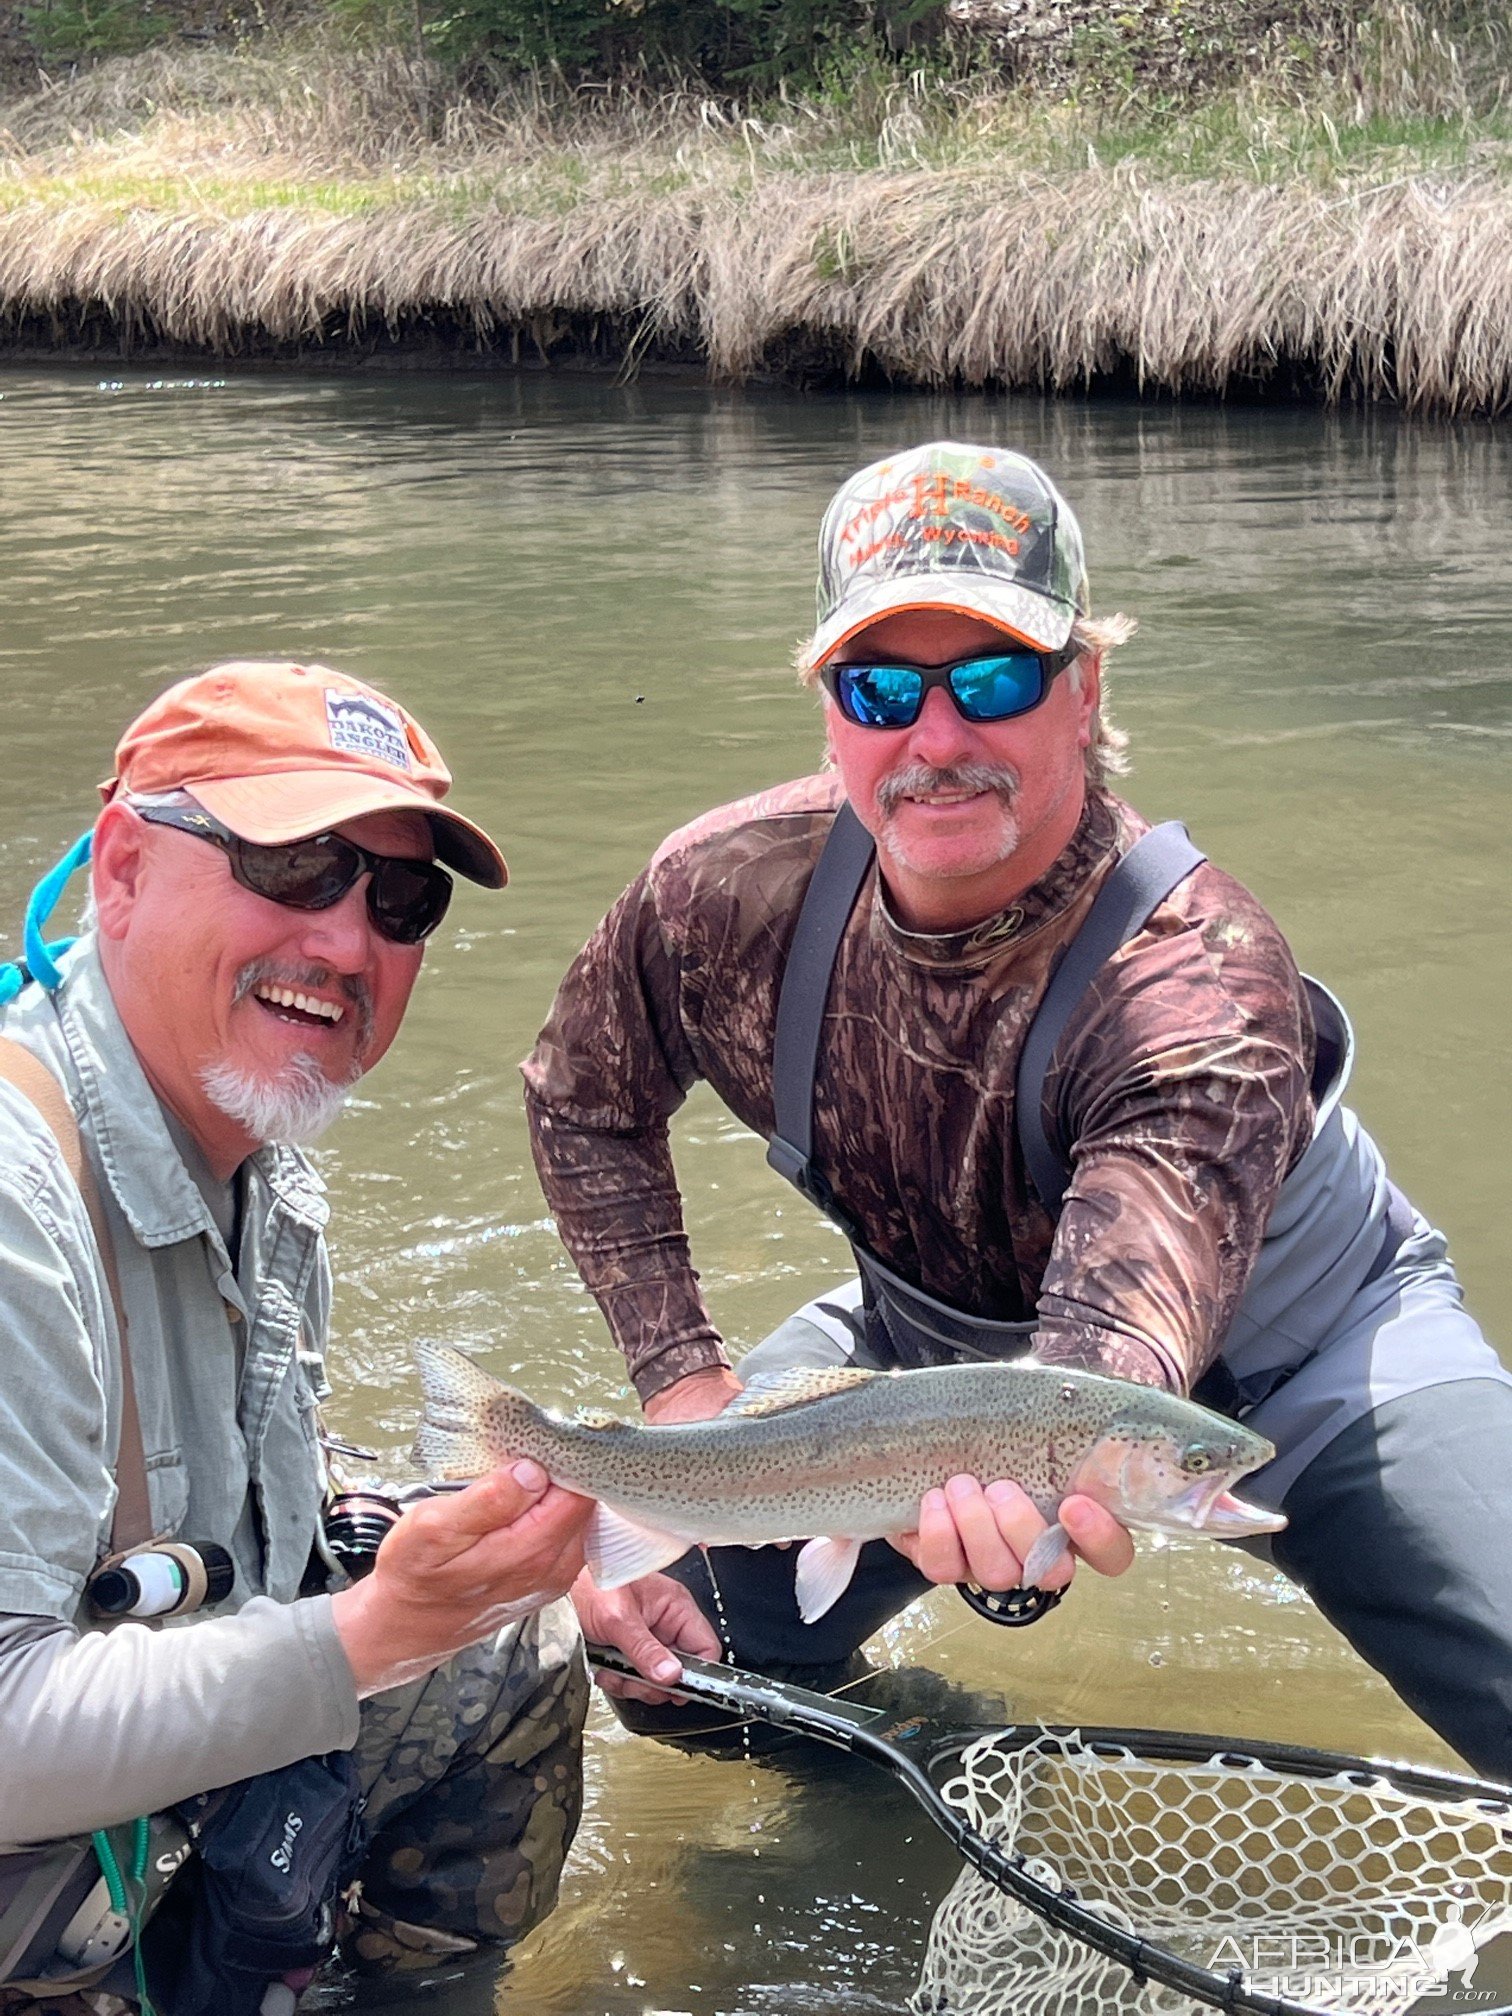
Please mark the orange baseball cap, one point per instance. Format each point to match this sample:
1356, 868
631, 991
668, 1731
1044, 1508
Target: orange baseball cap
278, 752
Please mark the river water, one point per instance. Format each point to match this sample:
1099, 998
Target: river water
590, 593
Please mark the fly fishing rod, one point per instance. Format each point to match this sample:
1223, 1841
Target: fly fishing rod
1245, 1876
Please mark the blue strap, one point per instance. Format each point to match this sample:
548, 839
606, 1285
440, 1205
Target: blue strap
40, 958
1142, 879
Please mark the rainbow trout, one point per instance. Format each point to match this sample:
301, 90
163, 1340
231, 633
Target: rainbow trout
848, 1454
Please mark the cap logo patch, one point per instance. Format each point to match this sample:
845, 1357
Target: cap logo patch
934, 496
359, 726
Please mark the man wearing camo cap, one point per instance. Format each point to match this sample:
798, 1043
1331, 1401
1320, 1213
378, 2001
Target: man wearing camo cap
1060, 1083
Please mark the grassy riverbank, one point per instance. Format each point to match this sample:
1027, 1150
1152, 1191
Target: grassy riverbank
1342, 227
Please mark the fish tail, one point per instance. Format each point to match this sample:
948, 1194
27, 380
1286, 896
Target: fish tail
472, 1421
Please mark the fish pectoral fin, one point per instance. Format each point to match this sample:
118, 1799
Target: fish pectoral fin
824, 1572
775, 1392
1052, 1547
619, 1549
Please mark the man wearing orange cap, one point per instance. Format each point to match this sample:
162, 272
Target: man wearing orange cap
1057, 1079
265, 873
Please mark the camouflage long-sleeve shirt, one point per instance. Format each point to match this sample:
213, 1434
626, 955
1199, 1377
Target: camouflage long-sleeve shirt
1179, 1088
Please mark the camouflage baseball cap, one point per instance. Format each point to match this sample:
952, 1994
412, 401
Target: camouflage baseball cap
950, 526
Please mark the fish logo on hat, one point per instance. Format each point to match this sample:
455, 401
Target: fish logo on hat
363, 726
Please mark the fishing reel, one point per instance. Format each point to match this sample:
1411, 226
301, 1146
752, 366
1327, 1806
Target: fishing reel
1010, 1606
358, 1522
356, 1525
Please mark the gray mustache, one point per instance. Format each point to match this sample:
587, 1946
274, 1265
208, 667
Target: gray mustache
918, 778
351, 986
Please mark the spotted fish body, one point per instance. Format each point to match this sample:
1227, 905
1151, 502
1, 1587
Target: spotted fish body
847, 1455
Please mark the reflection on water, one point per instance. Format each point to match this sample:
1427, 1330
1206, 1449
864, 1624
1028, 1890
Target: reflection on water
590, 595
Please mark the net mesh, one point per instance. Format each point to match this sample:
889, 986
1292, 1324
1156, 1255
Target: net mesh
1333, 1892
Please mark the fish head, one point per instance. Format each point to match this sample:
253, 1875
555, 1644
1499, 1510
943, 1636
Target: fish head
1170, 1469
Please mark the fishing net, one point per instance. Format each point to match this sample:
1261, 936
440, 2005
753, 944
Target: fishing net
1338, 1892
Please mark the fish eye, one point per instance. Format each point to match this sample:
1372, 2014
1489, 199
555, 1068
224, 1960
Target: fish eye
1196, 1458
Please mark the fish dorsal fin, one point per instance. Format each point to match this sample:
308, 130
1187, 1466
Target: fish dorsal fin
597, 1417
775, 1392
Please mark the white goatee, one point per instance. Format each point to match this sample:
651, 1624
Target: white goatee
295, 1107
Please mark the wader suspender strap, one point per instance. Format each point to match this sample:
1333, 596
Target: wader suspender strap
836, 883
132, 1525
1142, 879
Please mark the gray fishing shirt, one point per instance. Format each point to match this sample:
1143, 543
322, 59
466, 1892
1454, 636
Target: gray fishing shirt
227, 1360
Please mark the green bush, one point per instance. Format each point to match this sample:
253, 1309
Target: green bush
65, 30
725, 42
571, 35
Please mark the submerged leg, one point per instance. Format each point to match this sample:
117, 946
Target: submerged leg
475, 1786
1398, 1530
748, 1596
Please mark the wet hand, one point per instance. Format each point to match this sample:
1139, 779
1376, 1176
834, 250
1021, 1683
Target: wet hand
650, 1621
455, 1569
697, 1398
970, 1534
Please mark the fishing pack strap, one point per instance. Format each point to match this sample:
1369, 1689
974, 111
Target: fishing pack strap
276, 1852
132, 1524
842, 868
39, 1889
72, 1912
1146, 875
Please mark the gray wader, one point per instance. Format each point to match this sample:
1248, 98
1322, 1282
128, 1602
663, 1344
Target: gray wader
1351, 1350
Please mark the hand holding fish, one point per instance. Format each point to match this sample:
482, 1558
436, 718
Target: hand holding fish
847, 1455
454, 1569
969, 1532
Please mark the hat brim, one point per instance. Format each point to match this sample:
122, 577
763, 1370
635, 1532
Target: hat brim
292, 804
1038, 619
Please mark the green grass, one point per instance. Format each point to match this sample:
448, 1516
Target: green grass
344, 133
1238, 139
1231, 139
124, 192
1352, 226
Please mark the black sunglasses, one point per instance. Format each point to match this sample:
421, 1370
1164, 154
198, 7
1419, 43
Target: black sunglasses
406, 899
989, 686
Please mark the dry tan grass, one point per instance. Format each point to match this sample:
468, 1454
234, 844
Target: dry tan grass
271, 207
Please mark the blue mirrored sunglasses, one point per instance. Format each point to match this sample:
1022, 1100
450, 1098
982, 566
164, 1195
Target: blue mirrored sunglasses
994, 686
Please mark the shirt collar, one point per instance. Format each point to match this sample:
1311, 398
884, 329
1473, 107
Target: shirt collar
1091, 847
161, 1201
